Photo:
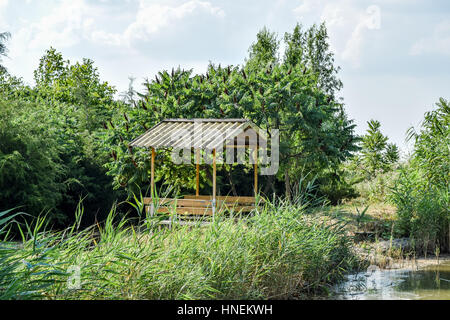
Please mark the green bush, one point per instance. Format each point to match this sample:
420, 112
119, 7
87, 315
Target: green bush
50, 155
30, 166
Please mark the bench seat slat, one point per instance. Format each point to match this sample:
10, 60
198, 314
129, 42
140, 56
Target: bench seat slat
181, 202
228, 199
184, 210
202, 205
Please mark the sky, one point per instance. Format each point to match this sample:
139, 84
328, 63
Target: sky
394, 54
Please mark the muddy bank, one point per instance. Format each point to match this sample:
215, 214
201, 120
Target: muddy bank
406, 262
419, 263
395, 254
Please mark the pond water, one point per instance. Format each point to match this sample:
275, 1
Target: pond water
431, 282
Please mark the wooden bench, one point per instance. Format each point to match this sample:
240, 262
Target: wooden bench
202, 205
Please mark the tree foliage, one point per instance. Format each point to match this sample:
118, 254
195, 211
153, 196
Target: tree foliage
432, 144
3, 49
296, 97
68, 135
51, 131
310, 48
30, 166
377, 155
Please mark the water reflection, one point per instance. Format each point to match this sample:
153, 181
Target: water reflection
428, 283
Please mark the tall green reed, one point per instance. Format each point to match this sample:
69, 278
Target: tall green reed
276, 252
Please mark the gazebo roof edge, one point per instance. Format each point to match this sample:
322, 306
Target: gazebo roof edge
161, 134
207, 120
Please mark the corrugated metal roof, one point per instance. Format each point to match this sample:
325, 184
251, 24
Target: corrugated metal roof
194, 133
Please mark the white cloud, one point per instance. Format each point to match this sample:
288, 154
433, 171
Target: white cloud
438, 42
348, 24
63, 27
307, 7
370, 20
152, 17
71, 22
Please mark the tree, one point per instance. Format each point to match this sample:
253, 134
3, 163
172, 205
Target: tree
316, 135
392, 154
315, 132
4, 36
52, 67
265, 50
78, 85
50, 151
377, 155
310, 49
30, 164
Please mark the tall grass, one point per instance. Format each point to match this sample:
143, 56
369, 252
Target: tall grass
423, 211
277, 252
422, 191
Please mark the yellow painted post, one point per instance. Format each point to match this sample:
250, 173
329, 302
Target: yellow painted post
197, 191
214, 183
255, 156
152, 183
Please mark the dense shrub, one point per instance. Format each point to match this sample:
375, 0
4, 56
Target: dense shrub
30, 163
50, 155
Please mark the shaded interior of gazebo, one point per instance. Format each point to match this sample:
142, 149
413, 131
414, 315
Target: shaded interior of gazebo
214, 135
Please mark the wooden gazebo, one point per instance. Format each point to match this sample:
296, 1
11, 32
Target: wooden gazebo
214, 135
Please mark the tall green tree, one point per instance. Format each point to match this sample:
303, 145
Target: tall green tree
377, 155
77, 85
82, 103
265, 50
316, 135
310, 49
4, 36
30, 163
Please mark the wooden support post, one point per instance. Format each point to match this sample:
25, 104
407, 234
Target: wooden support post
255, 157
214, 183
152, 183
197, 190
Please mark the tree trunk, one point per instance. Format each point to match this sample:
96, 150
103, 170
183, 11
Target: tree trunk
230, 179
287, 185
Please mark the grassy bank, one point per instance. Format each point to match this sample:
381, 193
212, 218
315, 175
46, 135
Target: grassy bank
279, 252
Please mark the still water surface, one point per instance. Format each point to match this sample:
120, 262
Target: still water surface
431, 282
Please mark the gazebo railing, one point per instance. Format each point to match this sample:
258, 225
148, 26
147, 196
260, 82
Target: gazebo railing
201, 205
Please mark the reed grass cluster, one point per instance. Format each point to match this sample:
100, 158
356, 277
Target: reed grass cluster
278, 252
422, 191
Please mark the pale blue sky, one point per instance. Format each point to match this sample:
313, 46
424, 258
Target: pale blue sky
394, 54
